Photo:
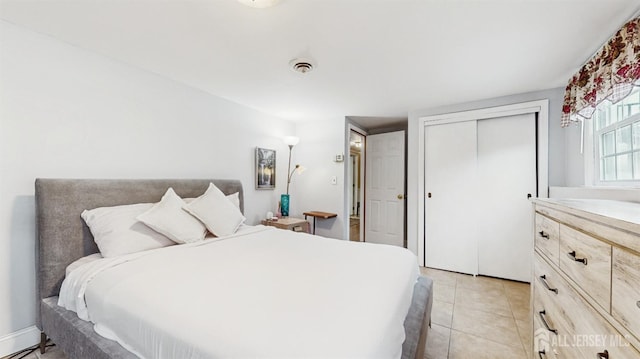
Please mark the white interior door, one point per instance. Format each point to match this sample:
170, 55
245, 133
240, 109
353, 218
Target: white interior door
384, 208
451, 188
506, 174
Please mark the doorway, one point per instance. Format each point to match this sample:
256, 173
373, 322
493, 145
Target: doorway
361, 136
385, 188
355, 186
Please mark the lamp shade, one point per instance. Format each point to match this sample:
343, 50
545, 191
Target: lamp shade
291, 140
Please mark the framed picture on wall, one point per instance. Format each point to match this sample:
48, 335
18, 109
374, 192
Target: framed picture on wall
265, 168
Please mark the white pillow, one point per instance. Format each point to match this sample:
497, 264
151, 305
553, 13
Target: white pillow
234, 198
219, 214
116, 230
168, 218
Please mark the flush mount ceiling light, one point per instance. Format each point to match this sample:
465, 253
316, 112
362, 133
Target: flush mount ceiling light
301, 65
259, 4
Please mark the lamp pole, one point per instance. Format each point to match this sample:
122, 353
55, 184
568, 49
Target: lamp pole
289, 169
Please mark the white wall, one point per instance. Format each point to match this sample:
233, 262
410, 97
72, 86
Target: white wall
320, 142
65, 112
556, 146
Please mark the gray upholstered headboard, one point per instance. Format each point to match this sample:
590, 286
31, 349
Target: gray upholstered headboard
63, 237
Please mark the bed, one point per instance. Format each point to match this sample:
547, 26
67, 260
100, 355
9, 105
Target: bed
63, 237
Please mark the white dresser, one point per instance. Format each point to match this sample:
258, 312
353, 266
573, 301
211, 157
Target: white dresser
585, 294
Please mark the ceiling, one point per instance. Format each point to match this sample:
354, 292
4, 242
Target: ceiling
375, 58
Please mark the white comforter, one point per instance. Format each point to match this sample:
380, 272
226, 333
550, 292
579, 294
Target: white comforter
261, 293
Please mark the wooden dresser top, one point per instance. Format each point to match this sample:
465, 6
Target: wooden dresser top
620, 214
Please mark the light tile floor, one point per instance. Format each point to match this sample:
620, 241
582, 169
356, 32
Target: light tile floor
51, 353
478, 317
472, 317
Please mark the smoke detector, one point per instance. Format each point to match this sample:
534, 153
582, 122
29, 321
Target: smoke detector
259, 4
301, 65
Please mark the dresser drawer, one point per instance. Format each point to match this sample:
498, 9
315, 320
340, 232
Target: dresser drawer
545, 328
547, 237
545, 279
543, 341
625, 287
587, 261
549, 335
550, 346
578, 325
596, 338
550, 328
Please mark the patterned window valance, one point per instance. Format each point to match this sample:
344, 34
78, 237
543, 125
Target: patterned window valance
610, 75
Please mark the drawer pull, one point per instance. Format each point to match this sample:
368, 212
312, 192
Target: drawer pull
542, 314
638, 304
603, 355
542, 354
543, 234
543, 279
572, 255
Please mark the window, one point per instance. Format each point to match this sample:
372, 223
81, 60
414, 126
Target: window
617, 141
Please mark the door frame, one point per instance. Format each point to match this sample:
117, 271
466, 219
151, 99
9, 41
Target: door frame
347, 149
540, 107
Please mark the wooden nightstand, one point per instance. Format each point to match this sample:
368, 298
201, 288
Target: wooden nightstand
290, 223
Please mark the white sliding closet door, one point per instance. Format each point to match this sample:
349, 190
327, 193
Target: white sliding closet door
451, 190
506, 174
478, 174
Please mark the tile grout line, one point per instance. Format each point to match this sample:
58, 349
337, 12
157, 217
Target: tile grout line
517, 327
453, 310
515, 321
486, 339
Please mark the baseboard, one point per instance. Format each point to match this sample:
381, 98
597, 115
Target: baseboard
16, 341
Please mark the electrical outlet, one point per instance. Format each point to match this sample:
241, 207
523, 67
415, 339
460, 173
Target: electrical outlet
334, 180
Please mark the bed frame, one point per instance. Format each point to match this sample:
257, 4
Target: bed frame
62, 237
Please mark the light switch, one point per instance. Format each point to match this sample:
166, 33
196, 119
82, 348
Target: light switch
334, 180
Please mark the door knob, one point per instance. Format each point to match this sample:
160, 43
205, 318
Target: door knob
400, 196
